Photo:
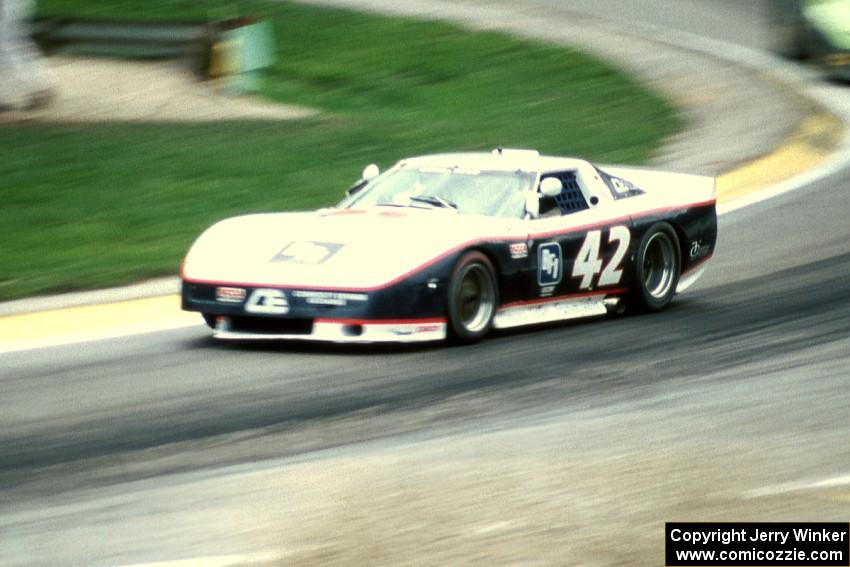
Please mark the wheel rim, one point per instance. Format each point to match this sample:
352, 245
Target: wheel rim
475, 298
659, 265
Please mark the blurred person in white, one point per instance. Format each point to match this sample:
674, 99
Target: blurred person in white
24, 82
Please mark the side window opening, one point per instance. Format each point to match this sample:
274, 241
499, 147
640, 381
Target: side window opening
570, 200
620, 188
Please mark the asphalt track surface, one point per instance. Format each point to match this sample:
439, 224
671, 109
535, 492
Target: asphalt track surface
772, 316
757, 351
742, 23
779, 283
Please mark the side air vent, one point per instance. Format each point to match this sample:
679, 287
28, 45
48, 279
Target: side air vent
271, 326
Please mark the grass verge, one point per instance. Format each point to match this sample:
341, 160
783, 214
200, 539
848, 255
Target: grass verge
106, 204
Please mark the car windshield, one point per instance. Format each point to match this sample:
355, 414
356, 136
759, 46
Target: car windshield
472, 192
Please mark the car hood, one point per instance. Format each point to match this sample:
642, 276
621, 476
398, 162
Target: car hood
335, 249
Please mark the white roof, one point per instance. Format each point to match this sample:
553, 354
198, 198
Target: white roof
507, 160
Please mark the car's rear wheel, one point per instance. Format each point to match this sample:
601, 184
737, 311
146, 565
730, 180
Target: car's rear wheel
657, 268
472, 298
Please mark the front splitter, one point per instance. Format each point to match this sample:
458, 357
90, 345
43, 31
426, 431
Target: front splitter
347, 331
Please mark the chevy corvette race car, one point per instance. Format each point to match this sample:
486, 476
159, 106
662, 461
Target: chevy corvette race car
453, 245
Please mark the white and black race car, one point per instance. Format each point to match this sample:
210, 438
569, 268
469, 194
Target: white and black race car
453, 245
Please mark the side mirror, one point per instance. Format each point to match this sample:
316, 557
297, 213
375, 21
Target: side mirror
370, 172
551, 187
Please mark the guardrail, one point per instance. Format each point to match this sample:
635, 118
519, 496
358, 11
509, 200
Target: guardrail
133, 39
226, 48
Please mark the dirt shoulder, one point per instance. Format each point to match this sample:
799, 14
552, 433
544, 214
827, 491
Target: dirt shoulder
106, 90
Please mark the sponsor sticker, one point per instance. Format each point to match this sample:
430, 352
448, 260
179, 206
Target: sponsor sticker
698, 249
550, 264
407, 330
518, 250
329, 297
267, 302
229, 294
622, 187
307, 252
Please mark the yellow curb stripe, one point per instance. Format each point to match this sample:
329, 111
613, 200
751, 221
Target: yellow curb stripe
89, 322
812, 143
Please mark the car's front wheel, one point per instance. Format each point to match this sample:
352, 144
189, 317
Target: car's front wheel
657, 268
473, 295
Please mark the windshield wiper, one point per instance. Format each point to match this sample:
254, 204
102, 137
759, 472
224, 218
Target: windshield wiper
434, 200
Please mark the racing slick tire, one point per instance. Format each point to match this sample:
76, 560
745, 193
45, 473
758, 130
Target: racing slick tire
657, 267
473, 296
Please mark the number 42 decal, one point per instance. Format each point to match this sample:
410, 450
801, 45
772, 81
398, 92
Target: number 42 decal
588, 263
